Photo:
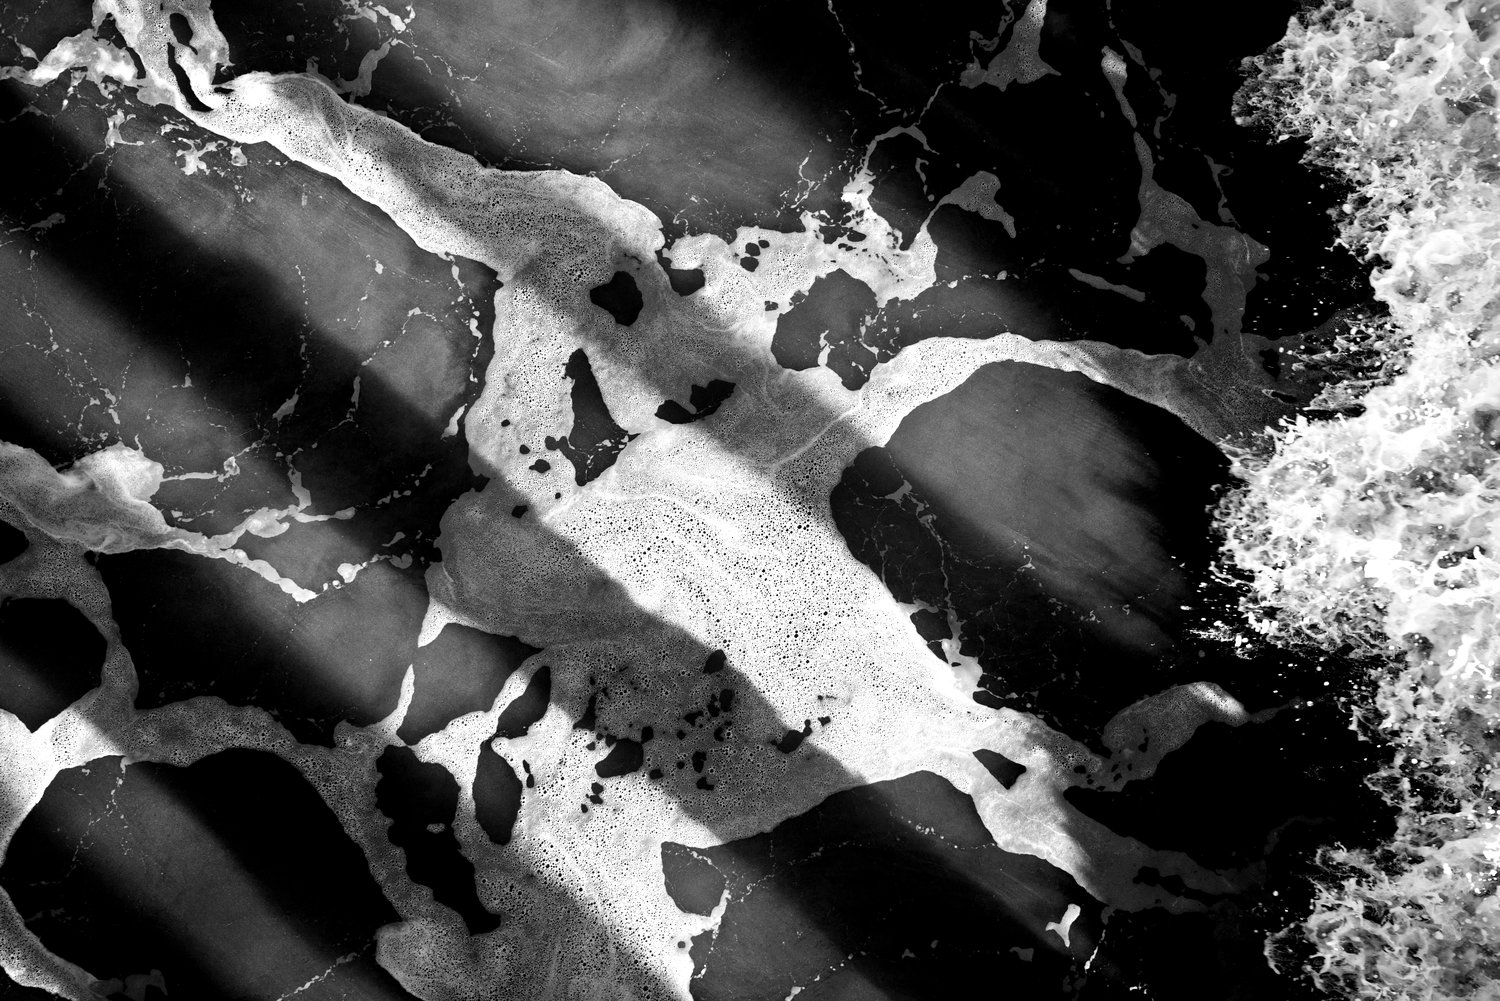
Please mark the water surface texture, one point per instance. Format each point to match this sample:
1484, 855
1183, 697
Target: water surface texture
633, 500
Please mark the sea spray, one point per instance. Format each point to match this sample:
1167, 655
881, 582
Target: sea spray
1378, 531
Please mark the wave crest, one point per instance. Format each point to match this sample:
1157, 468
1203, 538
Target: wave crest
1379, 532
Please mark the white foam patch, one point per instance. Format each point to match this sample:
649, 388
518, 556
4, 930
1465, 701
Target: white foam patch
1147, 731
99, 60
1020, 61
1063, 927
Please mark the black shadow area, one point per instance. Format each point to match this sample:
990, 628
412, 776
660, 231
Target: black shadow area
226, 879
50, 656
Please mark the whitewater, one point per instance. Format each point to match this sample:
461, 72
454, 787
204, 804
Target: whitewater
1379, 532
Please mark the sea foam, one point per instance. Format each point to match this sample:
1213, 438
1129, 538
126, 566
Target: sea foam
1380, 532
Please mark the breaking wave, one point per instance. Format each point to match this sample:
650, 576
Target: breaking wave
1378, 531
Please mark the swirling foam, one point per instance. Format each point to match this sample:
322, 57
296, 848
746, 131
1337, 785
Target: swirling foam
1382, 531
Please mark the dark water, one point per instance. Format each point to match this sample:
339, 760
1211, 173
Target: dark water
1062, 522
892, 890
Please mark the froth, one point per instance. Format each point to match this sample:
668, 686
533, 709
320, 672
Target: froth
1379, 532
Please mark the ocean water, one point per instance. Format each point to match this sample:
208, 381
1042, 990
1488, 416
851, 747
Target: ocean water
1376, 531
658, 632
